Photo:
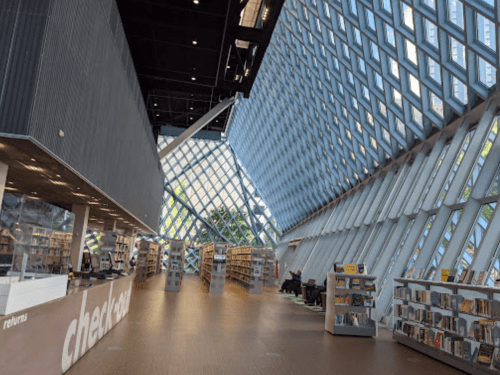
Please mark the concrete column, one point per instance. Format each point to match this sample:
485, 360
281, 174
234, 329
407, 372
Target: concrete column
79, 231
4, 168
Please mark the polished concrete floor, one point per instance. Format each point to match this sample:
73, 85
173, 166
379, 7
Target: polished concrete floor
193, 332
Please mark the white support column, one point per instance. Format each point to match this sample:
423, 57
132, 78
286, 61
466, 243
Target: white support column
79, 231
4, 168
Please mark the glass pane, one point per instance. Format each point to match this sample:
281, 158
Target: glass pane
493, 190
375, 53
430, 3
362, 65
386, 4
396, 96
394, 67
475, 237
434, 70
456, 13
401, 127
495, 269
354, 9
487, 73
456, 164
443, 244
370, 19
490, 139
341, 22
416, 116
379, 81
431, 33
485, 31
411, 52
389, 35
395, 257
407, 16
458, 53
459, 90
436, 104
431, 180
357, 35
414, 85
409, 271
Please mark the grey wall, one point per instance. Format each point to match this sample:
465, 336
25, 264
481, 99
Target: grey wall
66, 66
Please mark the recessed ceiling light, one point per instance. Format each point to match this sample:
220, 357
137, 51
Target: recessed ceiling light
156, 105
228, 67
193, 78
195, 42
216, 120
10, 182
157, 115
58, 175
190, 118
33, 168
58, 183
33, 159
196, 2
34, 192
191, 108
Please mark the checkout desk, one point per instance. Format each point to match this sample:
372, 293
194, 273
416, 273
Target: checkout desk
49, 338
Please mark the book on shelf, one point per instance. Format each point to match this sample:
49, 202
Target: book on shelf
466, 306
410, 272
368, 301
340, 282
496, 362
343, 299
480, 278
438, 340
369, 285
339, 268
461, 279
362, 269
357, 300
469, 277
452, 276
485, 354
355, 284
420, 273
352, 318
351, 269
444, 275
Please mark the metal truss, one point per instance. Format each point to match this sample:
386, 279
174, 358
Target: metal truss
209, 197
349, 85
436, 208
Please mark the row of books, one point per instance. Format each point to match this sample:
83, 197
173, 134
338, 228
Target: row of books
466, 277
485, 331
355, 300
432, 318
352, 319
451, 344
359, 284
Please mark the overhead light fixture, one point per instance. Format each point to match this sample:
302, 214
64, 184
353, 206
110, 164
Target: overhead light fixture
264, 15
195, 42
228, 67
33, 168
156, 105
80, 195
247, 72
93, 202
191, 108
10, 182
58, 175
190, 118
196, 2
10, 188
34, 192
58, 183
33, 159
157, 115
193, 78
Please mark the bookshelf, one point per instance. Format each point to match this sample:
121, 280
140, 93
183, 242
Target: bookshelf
146, 260
214, 267
228, 260
175, 265
247, 265
269, 273
119, 246
349, 303
458, 324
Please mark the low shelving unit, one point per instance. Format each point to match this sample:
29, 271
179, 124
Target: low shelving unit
455, 323
175, 265
349, 303
247, 264
214, 267
119, 246
146, 260
270, 268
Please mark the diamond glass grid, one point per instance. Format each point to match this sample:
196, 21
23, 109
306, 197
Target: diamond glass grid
289, 114
209, 197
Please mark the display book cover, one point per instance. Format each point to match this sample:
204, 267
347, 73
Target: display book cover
485, 354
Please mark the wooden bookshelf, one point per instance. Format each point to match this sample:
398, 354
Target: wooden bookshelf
451, 322
247, 266
347, 309
146, 260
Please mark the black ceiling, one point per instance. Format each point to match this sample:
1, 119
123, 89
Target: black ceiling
187, 56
